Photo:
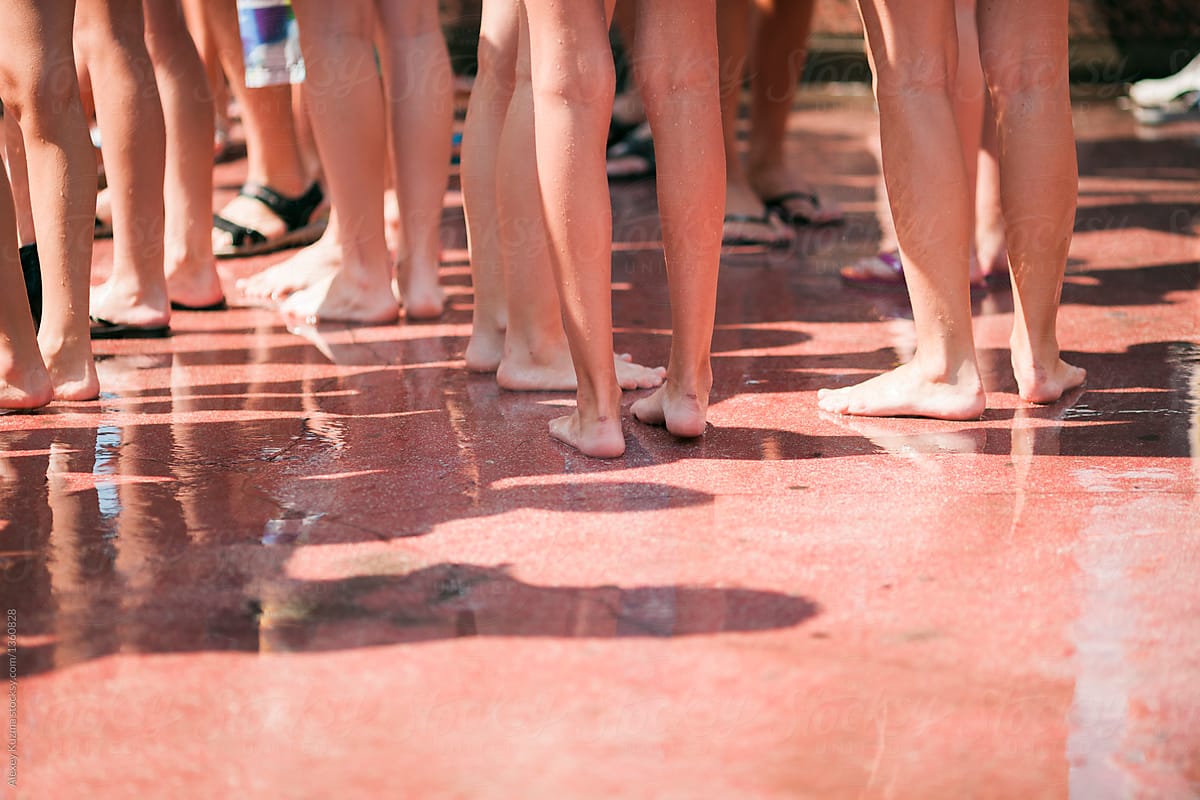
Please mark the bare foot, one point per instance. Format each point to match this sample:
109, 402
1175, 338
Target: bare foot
144, 306
631, 376
525, 372
906, 392
683, 410
194, 284
339, 297
599, 438
485, 350
24, 390
992, 251
420, 292
72, 371
275, 284
1037, 384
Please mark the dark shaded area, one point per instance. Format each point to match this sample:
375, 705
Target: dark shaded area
443, 601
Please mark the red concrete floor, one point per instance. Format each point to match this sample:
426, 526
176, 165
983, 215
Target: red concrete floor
268, 567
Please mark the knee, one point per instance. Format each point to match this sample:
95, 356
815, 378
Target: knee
41, 97
1015, 75
582, 79
915, 76
662, 77
497, 63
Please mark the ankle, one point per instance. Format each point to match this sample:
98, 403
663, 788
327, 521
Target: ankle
950, 370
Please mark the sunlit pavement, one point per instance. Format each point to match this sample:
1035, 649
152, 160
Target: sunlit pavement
270, 565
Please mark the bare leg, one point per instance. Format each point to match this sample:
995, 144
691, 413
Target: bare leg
191, 273
343, 84
780, 47
573, 85
748, 219
109, 38
913, 48
536, 355
486, 111
35, 48
990, 247
196, 18
273, 155
18, 178
676, 59
1024, 46
24, 382
420, 87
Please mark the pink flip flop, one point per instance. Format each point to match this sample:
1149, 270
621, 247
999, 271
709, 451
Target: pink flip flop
886, 270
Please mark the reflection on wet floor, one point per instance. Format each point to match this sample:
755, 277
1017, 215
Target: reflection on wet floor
850, 607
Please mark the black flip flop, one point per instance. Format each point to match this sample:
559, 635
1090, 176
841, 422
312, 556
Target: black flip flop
779, 204
220, 305
752, 241
106, 329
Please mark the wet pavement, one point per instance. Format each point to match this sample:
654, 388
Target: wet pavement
271, 565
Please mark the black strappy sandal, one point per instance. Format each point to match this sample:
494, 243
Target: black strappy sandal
295, 212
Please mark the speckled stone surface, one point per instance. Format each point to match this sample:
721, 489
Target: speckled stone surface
273, 566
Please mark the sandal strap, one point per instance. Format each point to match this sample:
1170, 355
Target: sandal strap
765, 219
781, 200
296, 212
238, 233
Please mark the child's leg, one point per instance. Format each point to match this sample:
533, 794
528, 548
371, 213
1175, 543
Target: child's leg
573, 86
990, 246
35, 50
273, 159
18, 178
420, 88
346, 103
191, 273
913, 47
676, 61
780, 48
1024, 47
110, 40
24, 382
748, 219
536, 354
486, 112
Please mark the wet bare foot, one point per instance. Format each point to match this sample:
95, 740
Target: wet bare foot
1038, 384
485, 350
72, 371
194, 284
906, 392
143, 306
631, 376
307, 267
340, 297
524, 372
682, 409
992, 251
25, 389
599, 438
420, 292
